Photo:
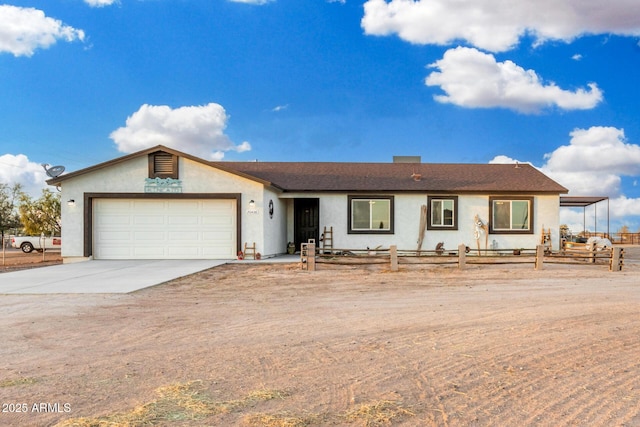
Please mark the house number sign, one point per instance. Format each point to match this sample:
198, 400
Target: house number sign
162, 185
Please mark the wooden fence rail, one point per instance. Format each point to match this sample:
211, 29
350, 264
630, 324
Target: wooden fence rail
462, 256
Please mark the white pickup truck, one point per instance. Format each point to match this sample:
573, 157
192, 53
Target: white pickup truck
29, 243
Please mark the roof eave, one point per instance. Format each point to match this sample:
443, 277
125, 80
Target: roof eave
57, 181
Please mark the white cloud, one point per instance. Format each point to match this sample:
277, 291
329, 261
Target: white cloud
197, 130
593, 165
279, 108
100, 3
18, 169
505, 160
23, 30
577, 57
498, 26
474, 79
597, 150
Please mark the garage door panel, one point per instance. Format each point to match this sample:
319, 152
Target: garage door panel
217, 220
220, 236
183, 252
113, 252
119, 205
148, 205
148, 237
189, 205
149, 252
164, 229
217, 253
116, 236
147, 220
183, 220
109, 219
184, 236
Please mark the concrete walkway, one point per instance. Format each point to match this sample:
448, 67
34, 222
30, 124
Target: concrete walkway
100, 277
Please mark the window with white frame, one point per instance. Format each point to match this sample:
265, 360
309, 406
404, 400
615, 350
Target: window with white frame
511, 215
442, 212
371, 214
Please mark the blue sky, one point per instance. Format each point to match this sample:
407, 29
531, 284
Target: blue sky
551, 82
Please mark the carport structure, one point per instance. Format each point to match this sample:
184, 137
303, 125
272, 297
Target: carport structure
583, 202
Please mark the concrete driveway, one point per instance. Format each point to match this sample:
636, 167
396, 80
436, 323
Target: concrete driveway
100, 277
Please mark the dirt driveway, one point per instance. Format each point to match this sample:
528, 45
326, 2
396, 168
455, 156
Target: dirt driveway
271, 345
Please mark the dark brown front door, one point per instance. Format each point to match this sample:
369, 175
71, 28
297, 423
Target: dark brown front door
307, 221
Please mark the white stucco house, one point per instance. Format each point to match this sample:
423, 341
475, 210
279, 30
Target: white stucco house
160, 203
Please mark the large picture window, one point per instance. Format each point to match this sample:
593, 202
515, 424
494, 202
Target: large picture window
511, 215
442, 213
370, 214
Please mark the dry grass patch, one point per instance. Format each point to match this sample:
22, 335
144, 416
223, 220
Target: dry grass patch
17, 381
379, 413
284, 419
178, 402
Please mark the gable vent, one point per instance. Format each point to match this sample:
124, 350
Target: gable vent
163, 165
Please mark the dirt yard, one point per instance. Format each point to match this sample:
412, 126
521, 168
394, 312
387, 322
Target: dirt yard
13, 259
271, 345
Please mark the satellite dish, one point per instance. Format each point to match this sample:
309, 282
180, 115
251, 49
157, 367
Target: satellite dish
53, 171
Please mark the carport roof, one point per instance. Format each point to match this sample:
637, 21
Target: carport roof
580, 201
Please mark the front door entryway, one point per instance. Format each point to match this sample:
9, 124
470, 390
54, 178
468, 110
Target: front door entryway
306, 221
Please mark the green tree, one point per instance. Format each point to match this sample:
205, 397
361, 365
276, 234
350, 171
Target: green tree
9, 217
41, 215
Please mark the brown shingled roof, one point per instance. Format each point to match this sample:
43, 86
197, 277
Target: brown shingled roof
372, 177
452, 178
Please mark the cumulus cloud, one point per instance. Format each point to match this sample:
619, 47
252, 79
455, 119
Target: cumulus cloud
495, 25
593, 164
474, 79
19, 169
100, 3
23, 30
197, 130
597, 150
501, 159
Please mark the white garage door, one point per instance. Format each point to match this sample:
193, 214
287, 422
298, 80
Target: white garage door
164, 229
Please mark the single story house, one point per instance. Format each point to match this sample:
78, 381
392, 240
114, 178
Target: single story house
160, 203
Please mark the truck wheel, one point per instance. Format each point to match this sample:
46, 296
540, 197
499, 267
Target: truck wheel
26, 247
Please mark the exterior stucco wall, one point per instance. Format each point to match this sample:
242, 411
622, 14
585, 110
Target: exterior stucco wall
271, 234
275, 228
334, 212
129, 177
